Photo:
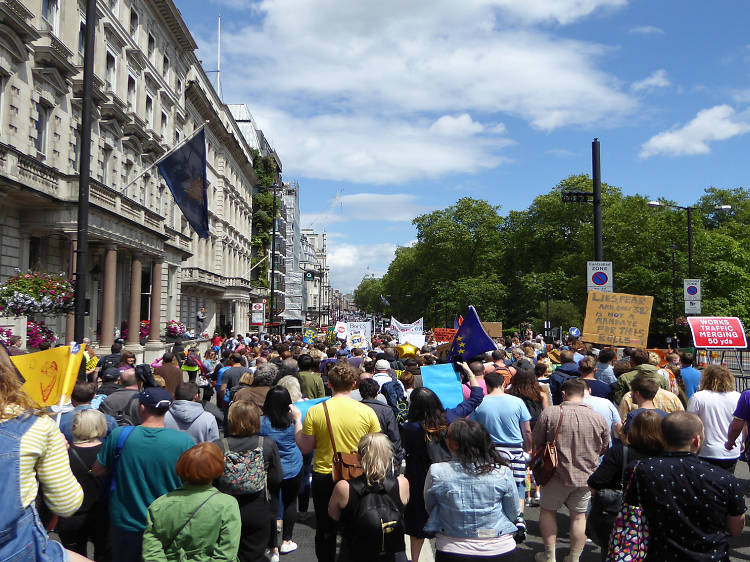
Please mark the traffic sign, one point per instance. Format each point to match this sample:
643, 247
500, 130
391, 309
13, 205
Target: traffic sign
693, 307
717, 332
258, 306
599, 276
691, 290
575, 332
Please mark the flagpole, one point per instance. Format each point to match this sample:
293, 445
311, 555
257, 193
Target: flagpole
157, 162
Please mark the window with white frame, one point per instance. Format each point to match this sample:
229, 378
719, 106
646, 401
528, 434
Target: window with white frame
106, 157
132, 99
81, 41
164, 124
42, 122
50, 15
165, 68
149, 112
151, 47
111, 71
134, 20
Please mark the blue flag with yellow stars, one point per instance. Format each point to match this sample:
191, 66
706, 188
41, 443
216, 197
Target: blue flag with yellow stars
185, 173
471, 339
308, 336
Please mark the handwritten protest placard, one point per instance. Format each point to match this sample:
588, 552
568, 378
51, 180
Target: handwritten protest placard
617, 319
444, 334
444, 382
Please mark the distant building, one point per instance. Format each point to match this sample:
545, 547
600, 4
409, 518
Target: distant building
317, 288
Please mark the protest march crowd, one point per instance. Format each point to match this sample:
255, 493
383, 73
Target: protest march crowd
216, 456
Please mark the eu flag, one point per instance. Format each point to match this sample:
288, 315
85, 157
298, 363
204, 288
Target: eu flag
185, 173
471, 339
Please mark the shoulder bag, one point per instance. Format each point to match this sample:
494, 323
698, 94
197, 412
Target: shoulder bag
544, 459
605, 504
344, 465
630, 535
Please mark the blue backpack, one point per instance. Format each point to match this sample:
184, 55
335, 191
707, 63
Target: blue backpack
396, 399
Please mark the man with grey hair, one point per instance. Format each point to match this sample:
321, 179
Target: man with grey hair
122, 404
263, 380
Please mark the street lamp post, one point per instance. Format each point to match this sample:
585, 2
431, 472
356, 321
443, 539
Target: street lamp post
689, 211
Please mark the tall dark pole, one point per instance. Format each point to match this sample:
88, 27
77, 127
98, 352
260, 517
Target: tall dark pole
690, 242
597, 176
273, 264
547, 323
674, 291
82, 243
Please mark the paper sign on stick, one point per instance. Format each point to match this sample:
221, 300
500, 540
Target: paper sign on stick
444, 382
617, 319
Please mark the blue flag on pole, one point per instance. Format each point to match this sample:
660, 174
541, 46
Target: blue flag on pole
185, 173
471, 339
385, 301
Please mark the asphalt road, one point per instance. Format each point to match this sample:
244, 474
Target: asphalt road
304, 534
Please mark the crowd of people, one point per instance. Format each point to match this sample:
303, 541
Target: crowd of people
216, 455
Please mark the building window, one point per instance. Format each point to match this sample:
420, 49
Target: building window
81, 42
131, 93
42, 121
50, 13
111, 73
165, 68
106, 157
177, 136
114, 5
134, 24
149, 112
151, 47
164, 124
179, 87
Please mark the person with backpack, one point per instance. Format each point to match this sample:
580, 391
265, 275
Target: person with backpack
122, 404
111, 360
368, 390
423, 439
472, 499
567, 370
371, 506
253, 475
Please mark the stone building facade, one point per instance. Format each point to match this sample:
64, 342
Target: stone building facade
150, 94
317, 289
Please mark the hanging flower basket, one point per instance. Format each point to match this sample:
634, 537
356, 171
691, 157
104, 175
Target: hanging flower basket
175, 329
36, 293
37, 333
5, 336
144, 330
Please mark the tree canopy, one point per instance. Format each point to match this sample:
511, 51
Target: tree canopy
507, 265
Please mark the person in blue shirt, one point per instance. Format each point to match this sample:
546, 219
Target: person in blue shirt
690, 375
83, 393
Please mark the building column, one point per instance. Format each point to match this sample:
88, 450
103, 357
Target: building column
155, 332
134, 313
108, 297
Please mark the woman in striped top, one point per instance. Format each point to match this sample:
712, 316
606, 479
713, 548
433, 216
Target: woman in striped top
33, 453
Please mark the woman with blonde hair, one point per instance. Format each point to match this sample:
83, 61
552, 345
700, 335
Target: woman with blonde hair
714, 404
377, 464
291, 383
34, 455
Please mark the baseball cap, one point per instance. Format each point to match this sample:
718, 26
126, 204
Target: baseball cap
110, 374
156, 398
382, 365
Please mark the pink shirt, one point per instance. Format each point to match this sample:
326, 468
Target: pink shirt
480, 383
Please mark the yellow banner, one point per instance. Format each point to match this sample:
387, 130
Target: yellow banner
49, 374
617, 319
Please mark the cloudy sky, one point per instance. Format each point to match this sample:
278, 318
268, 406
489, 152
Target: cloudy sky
403, 107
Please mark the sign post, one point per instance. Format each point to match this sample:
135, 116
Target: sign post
258, 313
693, 295
599, 276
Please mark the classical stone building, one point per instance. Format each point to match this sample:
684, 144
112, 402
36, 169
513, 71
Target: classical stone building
318, 288
150, 94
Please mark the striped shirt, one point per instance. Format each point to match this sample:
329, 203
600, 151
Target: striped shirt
45, 456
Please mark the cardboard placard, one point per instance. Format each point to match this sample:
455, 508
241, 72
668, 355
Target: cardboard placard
493, 329
444, 382
444, 334
617, 319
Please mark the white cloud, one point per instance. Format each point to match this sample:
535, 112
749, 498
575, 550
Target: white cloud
386, 92
657, 79
561, 152
398, 207
714, 124
350, 262
647, 30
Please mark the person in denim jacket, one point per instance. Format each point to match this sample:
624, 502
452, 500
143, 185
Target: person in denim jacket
472, 500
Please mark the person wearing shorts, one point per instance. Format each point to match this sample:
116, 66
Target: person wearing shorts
583, 438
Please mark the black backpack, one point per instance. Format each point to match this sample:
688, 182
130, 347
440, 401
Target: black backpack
377, 525
112, 360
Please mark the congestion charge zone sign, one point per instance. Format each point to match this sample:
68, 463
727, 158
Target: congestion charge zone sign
717, 332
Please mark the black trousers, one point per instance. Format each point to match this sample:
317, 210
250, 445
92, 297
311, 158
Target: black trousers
448, 557
325, 529
289, 490
257, 518
75, 532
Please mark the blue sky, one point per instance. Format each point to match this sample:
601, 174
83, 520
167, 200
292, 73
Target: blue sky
403, 107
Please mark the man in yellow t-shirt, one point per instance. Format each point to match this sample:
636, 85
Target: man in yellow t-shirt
350, 421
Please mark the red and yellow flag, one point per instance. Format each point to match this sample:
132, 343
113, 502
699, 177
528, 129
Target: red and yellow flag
49, 374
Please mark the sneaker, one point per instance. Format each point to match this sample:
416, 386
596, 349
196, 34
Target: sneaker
287, 547
274, 557
542, 557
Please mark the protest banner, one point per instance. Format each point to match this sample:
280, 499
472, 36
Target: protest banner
445, 382
364, 327
331, 335
356, 338
444, 334
397, 326
493, 329
308, 335
417, 339
340, 330
50, 375
617, 319
717, 333
304, 405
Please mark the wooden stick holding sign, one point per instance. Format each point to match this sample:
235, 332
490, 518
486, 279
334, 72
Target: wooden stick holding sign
617, 319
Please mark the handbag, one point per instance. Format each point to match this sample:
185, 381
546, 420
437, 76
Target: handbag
544, 459
605, 504
630, 535
344, 465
